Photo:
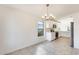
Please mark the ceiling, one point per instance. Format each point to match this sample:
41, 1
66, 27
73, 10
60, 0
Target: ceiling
58, 10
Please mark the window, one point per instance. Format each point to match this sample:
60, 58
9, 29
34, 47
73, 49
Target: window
40, 28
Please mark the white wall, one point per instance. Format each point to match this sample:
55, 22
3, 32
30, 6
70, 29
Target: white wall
76, 31
17, 30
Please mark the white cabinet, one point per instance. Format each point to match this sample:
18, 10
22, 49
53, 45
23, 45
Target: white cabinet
65, 33
50, 36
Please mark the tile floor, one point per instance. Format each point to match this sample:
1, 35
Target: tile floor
60, 46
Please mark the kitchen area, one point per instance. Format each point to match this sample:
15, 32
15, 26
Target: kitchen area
55, 30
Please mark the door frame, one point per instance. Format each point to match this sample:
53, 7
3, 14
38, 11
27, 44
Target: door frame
72, 34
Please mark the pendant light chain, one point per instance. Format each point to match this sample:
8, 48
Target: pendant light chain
47, 9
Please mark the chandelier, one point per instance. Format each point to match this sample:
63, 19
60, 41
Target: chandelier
48, 16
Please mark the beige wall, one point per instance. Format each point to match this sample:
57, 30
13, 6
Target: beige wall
17, 30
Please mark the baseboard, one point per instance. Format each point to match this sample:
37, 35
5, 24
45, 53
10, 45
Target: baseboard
25, 47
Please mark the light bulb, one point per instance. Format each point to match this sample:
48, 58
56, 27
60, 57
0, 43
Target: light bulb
43, 16
46, 15
51, 15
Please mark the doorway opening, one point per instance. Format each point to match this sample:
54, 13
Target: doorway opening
64, 29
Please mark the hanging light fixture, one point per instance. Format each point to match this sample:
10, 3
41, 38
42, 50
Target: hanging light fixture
48, 16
